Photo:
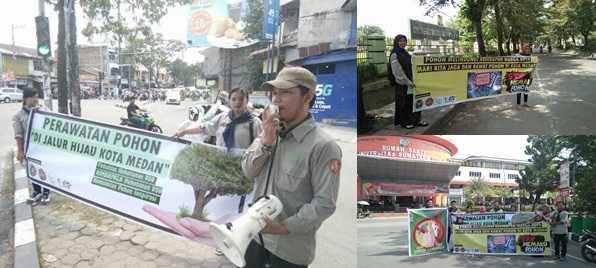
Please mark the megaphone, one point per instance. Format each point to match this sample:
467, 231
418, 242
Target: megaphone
273, 110
233, 238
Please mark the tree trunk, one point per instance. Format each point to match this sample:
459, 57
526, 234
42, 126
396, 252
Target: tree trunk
201, 200
73, 52
499, 19
586, 35
479, 38
536, 198
508, 47
61, 68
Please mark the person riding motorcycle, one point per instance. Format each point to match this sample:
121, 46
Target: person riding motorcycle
137, 119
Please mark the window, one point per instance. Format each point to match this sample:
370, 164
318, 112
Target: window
492, 164
512, 176
475, 174
37, 65
458, 173
494, 175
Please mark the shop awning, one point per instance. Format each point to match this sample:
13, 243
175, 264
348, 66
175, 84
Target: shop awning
391, 170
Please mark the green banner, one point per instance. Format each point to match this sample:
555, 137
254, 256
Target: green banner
447, 80
501, 239
427, 231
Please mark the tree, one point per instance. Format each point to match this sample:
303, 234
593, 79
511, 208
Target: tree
211, 173
61, 67
254, 30
584, 17
73, 62
542, 175
477, 190
582, 155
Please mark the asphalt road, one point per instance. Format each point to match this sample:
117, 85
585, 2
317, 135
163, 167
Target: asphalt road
383, 243
563, 102
336, 239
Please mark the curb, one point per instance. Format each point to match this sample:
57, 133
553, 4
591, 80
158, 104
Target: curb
25, 245
442, 122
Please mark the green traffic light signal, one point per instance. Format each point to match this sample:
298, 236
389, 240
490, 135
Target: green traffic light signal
43, 36
43, 49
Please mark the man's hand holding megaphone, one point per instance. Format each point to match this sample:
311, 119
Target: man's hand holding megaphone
275, 228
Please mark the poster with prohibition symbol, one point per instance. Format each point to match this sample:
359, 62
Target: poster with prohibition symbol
447, 80
154, 180
427, 231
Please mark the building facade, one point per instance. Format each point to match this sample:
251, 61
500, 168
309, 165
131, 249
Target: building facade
20, 67
500, 172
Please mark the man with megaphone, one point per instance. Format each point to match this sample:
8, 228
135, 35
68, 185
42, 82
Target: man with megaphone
303, 165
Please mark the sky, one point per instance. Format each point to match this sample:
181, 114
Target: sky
393, 15
503, 146
22, 14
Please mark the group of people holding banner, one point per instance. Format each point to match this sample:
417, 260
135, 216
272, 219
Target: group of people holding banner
493, 232
452, 79
300, 164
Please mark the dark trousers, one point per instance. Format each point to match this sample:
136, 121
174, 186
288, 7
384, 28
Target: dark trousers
560, 240
37, 189
256, 258
404, 104
519, 98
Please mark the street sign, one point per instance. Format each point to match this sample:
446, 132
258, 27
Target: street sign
271, 18
43, 36
564, 175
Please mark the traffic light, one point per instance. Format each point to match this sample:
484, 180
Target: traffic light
43, 36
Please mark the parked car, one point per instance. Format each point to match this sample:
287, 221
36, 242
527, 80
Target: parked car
173, 97
10, 94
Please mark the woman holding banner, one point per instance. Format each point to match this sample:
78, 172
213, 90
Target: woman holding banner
401, 72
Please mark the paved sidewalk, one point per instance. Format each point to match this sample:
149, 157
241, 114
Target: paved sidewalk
6, 211
72, 234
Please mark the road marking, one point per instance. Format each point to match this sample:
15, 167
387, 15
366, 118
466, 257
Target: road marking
24, 233
21, 196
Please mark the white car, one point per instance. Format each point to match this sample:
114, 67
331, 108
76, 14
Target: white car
10, 94
173, 97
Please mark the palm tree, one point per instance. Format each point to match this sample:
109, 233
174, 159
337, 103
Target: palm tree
477, 190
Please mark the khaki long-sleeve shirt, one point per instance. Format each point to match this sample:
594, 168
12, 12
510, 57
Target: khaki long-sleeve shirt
305, 177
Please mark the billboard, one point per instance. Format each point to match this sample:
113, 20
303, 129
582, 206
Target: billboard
154, 180
447, 80
426, 31
217, 23
271, 19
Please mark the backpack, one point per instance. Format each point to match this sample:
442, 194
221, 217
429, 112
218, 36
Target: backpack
390, 75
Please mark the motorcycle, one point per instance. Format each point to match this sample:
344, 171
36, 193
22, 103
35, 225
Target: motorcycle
149, 123
363, 211
588, 247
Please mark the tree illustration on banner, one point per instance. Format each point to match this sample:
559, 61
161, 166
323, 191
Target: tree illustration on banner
211, 173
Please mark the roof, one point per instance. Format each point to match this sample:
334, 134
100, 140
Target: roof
509, 160
20, 51
344, 54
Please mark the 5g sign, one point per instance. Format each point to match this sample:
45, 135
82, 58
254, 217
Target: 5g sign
324, 90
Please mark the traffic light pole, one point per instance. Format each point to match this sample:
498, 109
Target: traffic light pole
47, 72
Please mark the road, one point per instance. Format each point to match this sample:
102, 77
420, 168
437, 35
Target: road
336, 239
562, 102
383, 243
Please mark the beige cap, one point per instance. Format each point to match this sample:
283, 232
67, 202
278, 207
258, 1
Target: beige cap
290, 77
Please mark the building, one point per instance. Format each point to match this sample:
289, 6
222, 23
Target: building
321, 36
405, 169
409, 170
20, 67
495, 171
94, 59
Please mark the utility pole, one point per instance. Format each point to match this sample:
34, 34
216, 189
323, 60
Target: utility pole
45, 67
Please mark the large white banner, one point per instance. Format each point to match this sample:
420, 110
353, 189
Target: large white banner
149, 178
